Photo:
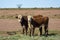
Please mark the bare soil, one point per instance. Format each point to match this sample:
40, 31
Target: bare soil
14, 25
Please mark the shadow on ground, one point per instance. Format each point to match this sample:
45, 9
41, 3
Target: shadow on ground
11, 33
51, 34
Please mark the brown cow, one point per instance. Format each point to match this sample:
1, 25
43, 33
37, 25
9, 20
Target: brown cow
38, 21
24, 22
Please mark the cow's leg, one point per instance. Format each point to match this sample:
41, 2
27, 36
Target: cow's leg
33, 29
23, 29
40, 29
46, 30
46, 26
30, 31
26, 30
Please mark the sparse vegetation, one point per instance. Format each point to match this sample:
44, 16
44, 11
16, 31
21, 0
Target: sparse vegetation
24, 37
14, 16
53, 35
56, 16
7, 16
19, 8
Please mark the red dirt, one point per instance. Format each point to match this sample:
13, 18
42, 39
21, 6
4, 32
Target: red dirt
13, 24
54, 24
9, 25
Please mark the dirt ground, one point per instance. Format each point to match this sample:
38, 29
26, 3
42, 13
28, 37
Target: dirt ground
14, 25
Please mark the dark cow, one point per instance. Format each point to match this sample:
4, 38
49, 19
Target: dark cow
38, 21
24, 22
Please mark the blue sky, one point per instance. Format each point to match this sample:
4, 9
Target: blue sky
29, 3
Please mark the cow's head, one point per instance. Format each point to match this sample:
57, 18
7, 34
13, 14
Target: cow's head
19, 18
29, 20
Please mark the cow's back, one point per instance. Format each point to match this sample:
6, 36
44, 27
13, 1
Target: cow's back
38, 19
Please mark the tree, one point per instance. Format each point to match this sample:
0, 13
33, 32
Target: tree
51, 7
19, 5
